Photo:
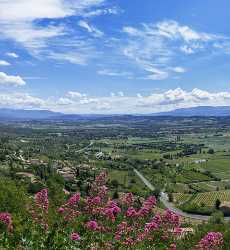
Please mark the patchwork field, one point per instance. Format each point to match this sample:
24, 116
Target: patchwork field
209, 198
181, 198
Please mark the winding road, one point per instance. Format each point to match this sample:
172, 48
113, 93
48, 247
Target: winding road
169, 205
83, 149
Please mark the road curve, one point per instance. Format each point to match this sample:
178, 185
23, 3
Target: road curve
144, 180
170, 206
83, 149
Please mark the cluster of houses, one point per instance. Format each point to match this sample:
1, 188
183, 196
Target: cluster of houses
103, 156
70, 173
200, 161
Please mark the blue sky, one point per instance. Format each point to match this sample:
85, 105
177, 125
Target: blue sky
107, 56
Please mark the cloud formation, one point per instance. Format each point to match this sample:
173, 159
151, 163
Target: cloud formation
21, 20
90, 28
156, 47
155, 102
118, 103
20, 100
4, 63
12, 54
150, 51
10, 80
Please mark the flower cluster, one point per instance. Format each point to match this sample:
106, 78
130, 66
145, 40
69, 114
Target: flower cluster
171, 218
101, 179
146, 208
41, 200
69, 209
211, 241
98, 187
98, 222
92, 225
127, 199
75, 237
6, 219
39, 210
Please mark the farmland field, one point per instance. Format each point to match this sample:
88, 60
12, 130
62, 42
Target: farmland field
209, 198
189, 158
181, 198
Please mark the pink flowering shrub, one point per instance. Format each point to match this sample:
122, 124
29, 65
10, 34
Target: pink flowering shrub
39, 210
211, 241
41, 200
6, 219
98, 222
69, 209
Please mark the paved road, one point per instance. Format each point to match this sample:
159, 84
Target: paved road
144, 180
83, 149
170, 206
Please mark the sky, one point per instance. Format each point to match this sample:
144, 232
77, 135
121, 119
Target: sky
114, 56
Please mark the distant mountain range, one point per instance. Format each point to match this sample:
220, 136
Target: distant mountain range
198, 111
15, 114
21, 114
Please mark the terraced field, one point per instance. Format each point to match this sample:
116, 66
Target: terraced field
181, 198
209, 198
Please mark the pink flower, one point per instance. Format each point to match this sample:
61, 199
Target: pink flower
73, 200
61, 210
111, 210
75, 237
141, 237
152, 225
6, 219
211, 241
150, 202
128, 199
131, 212
101, 178
40, 208
173, 246
171, 218
92, 201
177, 231
102, 191
41, 200
92, 225
128, 242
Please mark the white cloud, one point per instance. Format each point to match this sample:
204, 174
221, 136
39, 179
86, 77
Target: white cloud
155, 47
186, 49
90, 28
179, 70
19, 20
108, 72
171, 29
71, 57
33, 38
22, 10
4, 63
74, 94
120, 93
12, 54
11, 80
104, 11
155, 74
155, 102
20, 100
132, 31
118, 103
